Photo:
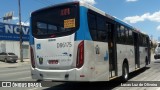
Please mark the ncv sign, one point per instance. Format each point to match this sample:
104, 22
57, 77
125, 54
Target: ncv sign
15, 29
12, 32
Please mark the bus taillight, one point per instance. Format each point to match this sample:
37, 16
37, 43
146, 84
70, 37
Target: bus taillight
80, 55
32, 57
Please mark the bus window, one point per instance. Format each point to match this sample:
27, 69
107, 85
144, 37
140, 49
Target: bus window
97, 27
41, 28
101, 29
127, 36
122, 34
92, 25
118, 33
58, 21
52, 29
130, 37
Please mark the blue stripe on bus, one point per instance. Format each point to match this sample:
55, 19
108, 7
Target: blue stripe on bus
83, 31
123, 23
31, 39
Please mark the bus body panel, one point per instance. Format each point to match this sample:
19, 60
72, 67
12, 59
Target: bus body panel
58, 74
125, 52
101, 57
143, 55
55, 53
83, 32
90, 71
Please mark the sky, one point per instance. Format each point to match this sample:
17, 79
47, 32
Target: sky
141, 14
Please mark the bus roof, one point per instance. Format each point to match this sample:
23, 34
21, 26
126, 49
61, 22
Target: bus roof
82, 3
105, 14
109, 16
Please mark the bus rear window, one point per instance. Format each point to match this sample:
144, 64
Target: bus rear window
55, 21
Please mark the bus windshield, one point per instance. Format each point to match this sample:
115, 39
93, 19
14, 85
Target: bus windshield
55, 21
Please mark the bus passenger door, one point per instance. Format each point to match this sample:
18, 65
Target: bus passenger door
149, 52
136, 49
112, 50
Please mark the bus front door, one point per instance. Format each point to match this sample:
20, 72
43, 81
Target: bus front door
136, 49
112, 51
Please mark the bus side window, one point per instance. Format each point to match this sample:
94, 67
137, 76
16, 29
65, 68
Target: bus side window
140, 40
92, 26
118, 34
130, 37
101, 29
122, 34
126, 36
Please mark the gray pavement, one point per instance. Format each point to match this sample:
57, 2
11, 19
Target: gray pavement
18, 63
19, 71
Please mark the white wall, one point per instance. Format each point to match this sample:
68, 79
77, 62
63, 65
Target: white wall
13, 46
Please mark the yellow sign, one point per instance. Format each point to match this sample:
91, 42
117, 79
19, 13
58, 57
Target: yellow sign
69, 23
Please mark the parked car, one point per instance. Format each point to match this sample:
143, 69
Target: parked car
8, 57
157, 52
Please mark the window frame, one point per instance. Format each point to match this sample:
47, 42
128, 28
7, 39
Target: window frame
99, 32
34, 20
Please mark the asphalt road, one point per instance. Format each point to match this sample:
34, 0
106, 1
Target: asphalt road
21, 72
18, 72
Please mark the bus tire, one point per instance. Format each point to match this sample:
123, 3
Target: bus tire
125, 72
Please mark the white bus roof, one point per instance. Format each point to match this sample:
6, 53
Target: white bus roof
82, 3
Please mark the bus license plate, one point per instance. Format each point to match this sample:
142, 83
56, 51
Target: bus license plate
53, 61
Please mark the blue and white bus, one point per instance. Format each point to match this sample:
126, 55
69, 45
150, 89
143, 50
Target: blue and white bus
77, 42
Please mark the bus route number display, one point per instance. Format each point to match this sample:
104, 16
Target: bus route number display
69, 23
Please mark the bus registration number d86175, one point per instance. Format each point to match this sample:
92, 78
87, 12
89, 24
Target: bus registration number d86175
64, 44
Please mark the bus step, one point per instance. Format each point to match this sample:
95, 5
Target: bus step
137, 69
111, 78
112, 73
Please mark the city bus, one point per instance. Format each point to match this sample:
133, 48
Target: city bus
75, 41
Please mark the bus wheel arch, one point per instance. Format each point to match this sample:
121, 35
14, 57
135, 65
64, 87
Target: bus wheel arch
125, 70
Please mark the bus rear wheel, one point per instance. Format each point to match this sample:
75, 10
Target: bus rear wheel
125, 72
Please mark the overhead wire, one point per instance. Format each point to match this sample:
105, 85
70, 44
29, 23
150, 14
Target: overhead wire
42, 2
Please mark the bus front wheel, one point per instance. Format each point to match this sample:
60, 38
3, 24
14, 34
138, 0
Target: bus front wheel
125, 72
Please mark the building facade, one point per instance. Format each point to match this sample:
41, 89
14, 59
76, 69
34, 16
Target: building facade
10, 39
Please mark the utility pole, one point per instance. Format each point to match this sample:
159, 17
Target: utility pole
20, 29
